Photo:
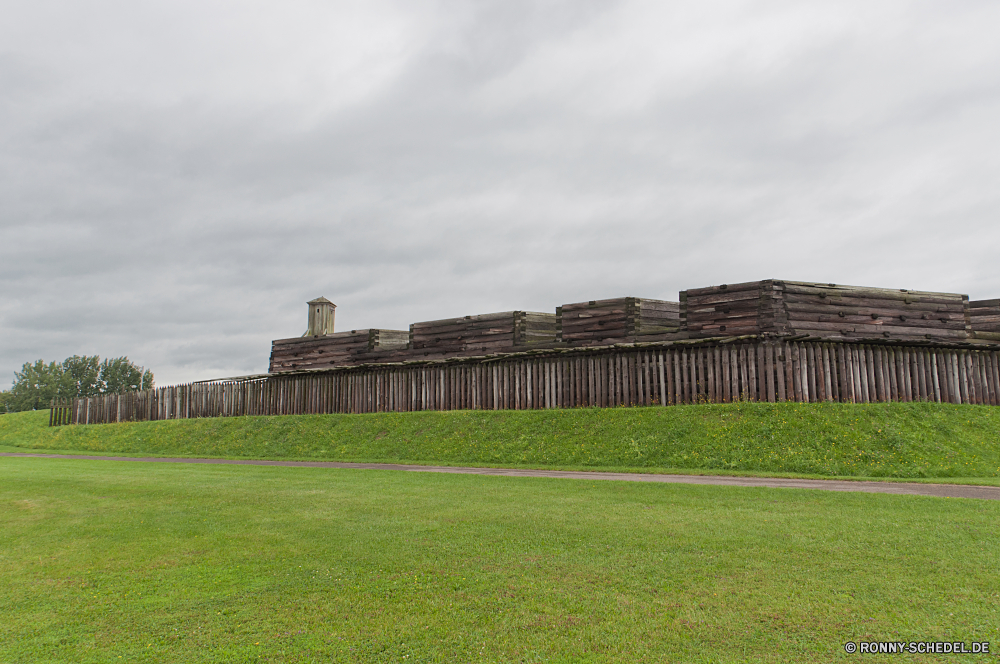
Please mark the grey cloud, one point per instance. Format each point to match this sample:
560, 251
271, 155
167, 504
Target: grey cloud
496, 155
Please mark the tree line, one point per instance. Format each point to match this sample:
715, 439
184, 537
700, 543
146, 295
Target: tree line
38, 383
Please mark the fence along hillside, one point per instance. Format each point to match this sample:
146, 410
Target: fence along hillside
769, 340
723, 370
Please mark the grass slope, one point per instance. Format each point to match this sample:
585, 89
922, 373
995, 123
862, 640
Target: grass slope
115, 561
911, 440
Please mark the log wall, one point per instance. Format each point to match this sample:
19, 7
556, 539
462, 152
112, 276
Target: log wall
430, 340
715, 371
619, 320
482, 334
333, 350
830, 311
984, 315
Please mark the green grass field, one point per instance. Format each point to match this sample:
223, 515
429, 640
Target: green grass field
910, 440
120, 561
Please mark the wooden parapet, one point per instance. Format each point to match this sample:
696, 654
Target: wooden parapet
618, 320
746, 308
332, 350
772, 308
481, 334
984, 315
830, 311
532, 328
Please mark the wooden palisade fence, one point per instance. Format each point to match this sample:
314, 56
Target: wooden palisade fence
751, 368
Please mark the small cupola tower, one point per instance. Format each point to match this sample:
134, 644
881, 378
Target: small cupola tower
321, 311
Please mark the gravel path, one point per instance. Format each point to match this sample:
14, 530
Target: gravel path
908, 488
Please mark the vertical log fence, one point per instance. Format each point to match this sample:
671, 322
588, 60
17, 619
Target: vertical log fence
742, 369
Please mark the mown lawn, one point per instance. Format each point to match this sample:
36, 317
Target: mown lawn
118, 561
900, 440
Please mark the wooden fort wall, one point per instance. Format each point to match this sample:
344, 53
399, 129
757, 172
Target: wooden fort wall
832, 312
984, 317
829, 311
756, 368
768, 340
585, 324
334, 350
430, 340
619, 320
481, 334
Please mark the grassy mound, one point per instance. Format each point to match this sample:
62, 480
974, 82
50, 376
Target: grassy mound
872, 440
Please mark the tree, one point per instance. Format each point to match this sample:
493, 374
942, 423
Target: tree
81, 377
37, 384
120, 375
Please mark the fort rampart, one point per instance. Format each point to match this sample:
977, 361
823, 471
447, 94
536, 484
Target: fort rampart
827, 312
759, 341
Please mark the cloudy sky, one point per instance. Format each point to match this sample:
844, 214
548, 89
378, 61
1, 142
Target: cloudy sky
178, 178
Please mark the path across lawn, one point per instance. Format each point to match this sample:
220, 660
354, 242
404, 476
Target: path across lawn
910, 488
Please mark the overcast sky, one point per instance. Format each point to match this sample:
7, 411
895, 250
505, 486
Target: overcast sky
178, 178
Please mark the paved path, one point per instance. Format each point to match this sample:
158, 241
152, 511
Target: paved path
909, 488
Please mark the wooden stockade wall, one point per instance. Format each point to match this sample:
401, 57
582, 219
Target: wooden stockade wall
720, 371
60, 413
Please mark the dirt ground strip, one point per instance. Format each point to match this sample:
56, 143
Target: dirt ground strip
904, 488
